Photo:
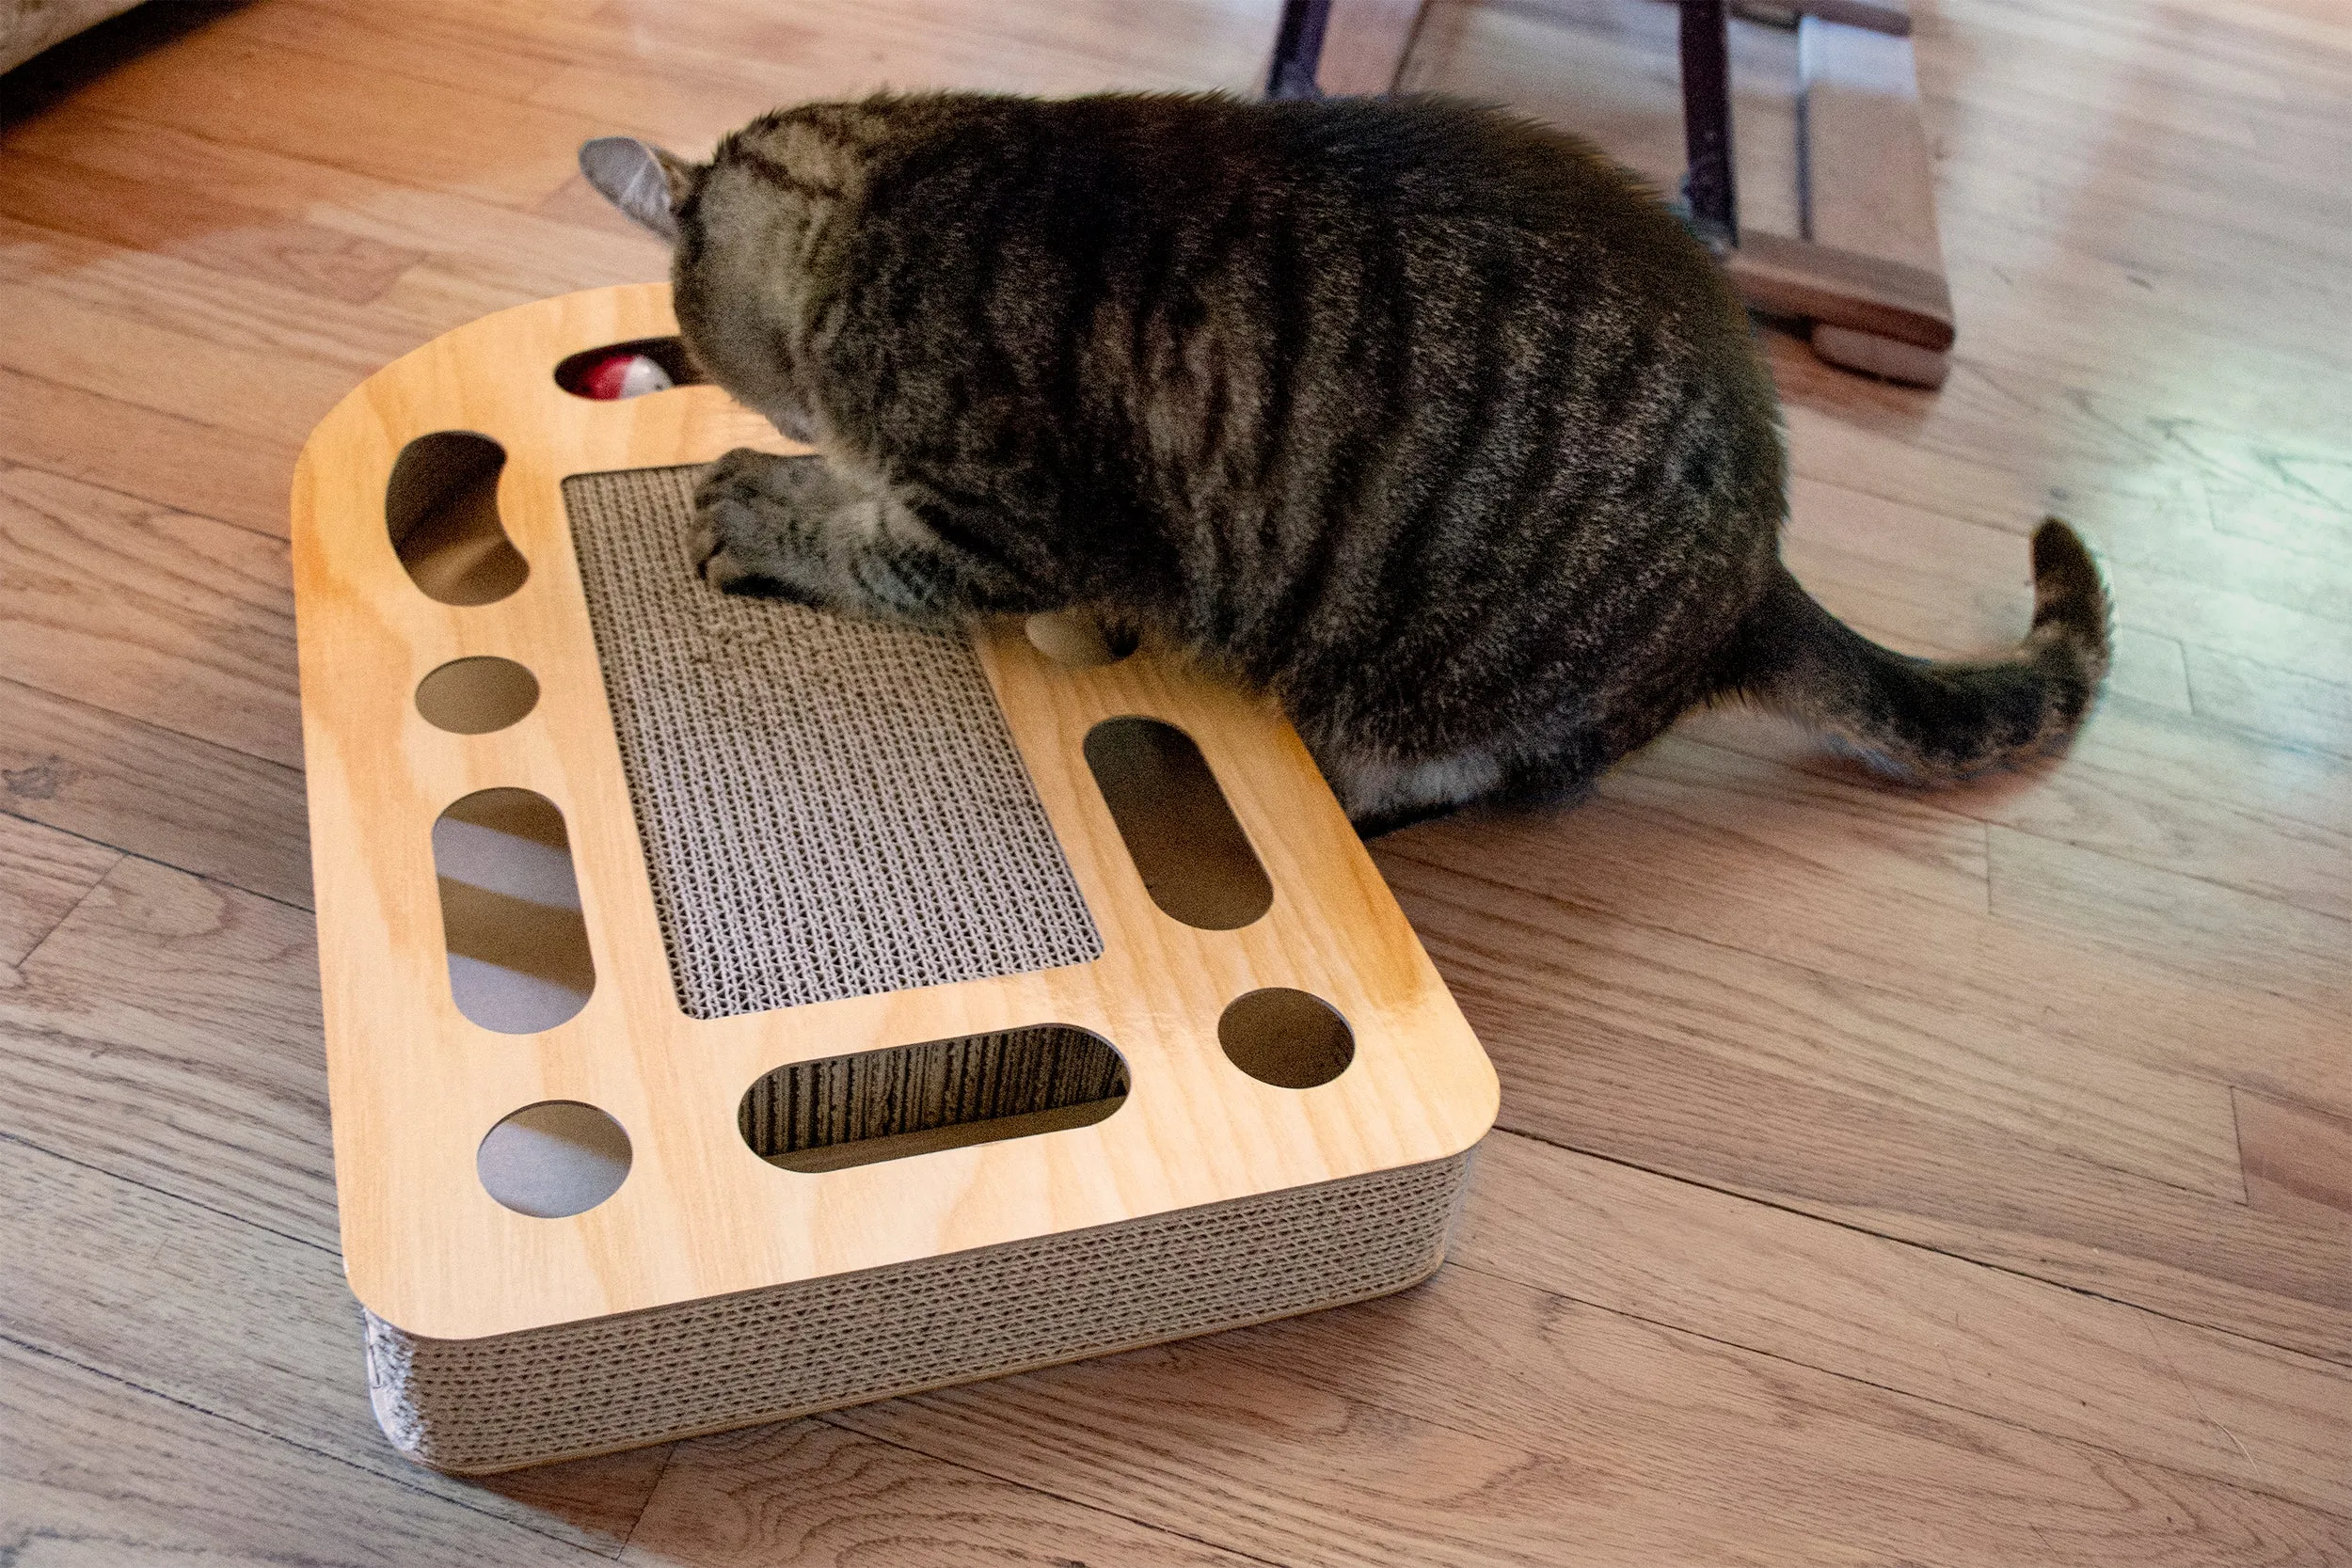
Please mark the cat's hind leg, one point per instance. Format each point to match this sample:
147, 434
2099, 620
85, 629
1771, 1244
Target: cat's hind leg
1383, 794
799, 529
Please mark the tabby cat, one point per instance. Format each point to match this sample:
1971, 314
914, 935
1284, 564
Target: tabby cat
1433, 422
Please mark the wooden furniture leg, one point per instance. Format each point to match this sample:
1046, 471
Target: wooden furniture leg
1869, 274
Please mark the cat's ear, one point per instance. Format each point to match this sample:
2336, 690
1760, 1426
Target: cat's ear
639, 178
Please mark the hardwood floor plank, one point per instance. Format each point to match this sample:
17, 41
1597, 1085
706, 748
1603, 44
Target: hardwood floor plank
271, 396
2152, 546
1875, 1471
44, 873
2177, 794
1634, 1437
1614, 862
1952, 1156
2299, 1163
174, 295
95, 1474
2245, 941
1757, 807
179, 622
175, 462
335, 112
172, 220
1670, 1103
691, 84
1204, 1441
2144, 781
167, 1032
1911, 1321
1870, 1044
534, 254
2271, 624
2276, 705
254, 1327
484, 61
2056, 427
188, 803
806, 1493
2298, 518
2167, 222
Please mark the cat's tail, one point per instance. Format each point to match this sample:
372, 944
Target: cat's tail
1934, 721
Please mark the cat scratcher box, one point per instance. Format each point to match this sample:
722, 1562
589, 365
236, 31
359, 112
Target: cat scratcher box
735, 1010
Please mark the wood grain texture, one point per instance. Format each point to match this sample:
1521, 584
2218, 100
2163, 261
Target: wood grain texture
805, 1491
1911, 1320
153, 792
179, 622
166, 219
176, 461
1875, 1473
2023, 1200
1855, 1200
1869, 179
2239, 938
1826, 282
2298, 1162
407, 128
202, 1279
95, 1471
44, 873
166, 1032
1206, 1440
695, 1218
1555, 1432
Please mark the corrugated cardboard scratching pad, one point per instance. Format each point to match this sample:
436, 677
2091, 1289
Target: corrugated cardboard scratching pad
735, 1010
830, 807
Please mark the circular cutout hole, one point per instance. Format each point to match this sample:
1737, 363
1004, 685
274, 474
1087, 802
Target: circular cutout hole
1286, 1037
1076, 639
474, 696
556, 1158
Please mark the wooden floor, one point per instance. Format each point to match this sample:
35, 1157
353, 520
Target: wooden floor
1884, 1179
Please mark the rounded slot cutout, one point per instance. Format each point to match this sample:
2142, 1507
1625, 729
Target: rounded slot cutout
518, 945
907, 1100
1288, 1039
556, 1158
1190, 851
442, 510
1074, 638
474, 696
626, 369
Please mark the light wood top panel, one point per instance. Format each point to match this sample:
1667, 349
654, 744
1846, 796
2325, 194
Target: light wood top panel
415, 1084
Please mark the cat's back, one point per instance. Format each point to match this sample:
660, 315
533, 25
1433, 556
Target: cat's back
1087, 176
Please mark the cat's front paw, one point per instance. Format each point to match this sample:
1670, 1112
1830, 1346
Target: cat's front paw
740, 539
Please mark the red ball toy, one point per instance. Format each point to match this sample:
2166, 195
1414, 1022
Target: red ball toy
623, 374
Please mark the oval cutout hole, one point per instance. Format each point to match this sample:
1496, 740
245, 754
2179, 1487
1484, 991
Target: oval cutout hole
474, 696
878, 1105
1191, 853
1288, 1039
605, 373
1076, 639
442, 509
556, 1158
510, 911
